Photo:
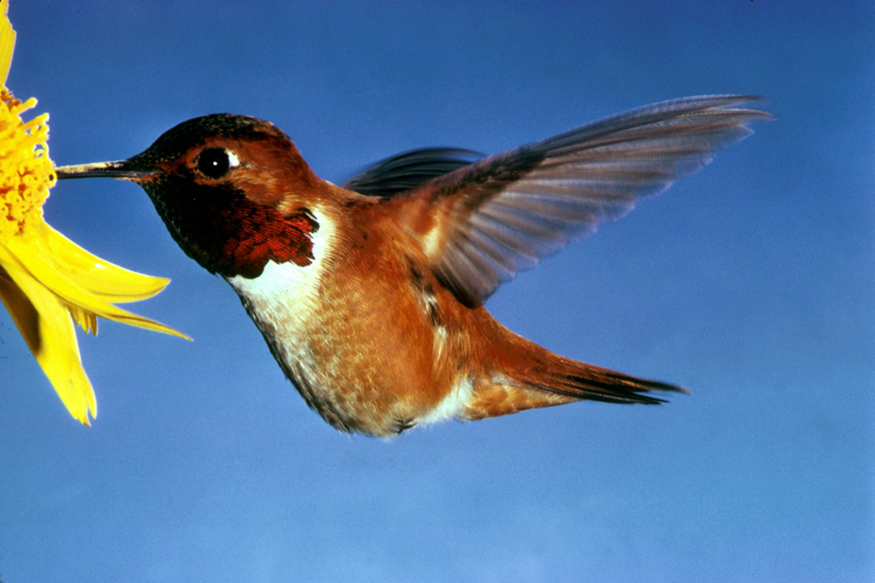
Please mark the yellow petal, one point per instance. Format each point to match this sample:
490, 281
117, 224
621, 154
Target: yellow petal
29, 254
45, 324
103, 279
7, 41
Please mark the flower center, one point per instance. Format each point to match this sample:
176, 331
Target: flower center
26, 172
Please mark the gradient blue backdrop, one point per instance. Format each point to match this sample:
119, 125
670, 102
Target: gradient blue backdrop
751, 283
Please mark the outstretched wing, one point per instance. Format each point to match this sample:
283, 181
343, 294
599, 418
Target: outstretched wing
482, 223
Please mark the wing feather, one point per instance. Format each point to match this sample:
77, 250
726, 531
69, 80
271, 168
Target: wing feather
495, 217
408, 170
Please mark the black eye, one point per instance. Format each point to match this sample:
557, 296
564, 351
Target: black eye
215, 162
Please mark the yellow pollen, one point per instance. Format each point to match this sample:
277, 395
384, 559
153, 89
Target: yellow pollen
26, 172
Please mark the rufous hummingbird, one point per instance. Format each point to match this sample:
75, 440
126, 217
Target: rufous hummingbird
370, 295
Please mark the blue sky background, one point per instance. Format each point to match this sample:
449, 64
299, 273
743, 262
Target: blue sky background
750, 283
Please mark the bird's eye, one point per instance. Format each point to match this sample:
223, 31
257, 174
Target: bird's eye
216, 162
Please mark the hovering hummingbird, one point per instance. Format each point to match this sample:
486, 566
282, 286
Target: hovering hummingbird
370, 295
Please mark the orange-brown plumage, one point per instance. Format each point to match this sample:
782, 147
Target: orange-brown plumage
370, 297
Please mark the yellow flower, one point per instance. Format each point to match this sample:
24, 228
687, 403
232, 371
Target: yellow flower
46, 281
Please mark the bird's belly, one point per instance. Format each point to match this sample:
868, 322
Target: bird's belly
362, 370
352, 390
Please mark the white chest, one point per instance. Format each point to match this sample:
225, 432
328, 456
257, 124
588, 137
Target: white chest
284, 302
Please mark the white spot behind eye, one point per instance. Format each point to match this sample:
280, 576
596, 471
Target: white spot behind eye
215, 163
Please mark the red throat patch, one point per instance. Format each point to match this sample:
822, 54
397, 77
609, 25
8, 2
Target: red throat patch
264, 235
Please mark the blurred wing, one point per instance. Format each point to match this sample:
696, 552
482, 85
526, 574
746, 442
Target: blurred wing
408, 170
483, 223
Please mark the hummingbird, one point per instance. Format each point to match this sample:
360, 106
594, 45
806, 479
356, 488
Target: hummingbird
370, 295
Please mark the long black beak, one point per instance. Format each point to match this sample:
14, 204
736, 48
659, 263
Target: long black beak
120, 170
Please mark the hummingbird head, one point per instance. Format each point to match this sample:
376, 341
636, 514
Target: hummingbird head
233, 191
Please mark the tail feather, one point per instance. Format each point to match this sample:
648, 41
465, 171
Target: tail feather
598, 384
528, 376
